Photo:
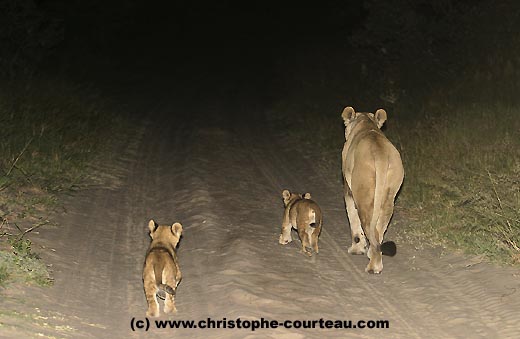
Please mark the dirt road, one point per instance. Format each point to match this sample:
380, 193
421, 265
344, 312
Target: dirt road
221, 174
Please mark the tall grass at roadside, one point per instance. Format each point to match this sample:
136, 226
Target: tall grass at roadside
462, 183
51, 131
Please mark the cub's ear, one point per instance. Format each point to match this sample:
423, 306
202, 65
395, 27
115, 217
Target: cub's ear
380, 117
307, 195
348, 114
177, 229
152, 226
286, 194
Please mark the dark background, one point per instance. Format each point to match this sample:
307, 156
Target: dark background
367, 53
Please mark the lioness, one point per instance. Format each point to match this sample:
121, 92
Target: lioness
373, 173
161, 273
304, 215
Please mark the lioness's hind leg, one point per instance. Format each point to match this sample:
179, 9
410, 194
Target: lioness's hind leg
374, 253
384, 219
375, 264
359, 241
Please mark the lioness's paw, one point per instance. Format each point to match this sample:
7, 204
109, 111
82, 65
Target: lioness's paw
371, 269
356, 250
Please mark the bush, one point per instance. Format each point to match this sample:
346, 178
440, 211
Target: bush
451, 48
27, 35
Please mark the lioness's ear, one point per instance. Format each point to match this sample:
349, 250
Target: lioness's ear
286, 194
307, 195
152, 225
348, 114
177, 229
380, 117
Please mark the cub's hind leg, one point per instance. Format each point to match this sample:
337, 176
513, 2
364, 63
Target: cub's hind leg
150, 290
304, 237
169, 303
285, 236
314, 242
170, 286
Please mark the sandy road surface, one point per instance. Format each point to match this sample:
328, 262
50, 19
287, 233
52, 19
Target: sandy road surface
222, 178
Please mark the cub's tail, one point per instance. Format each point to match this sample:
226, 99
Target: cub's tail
312, 218
163, 289
388, 248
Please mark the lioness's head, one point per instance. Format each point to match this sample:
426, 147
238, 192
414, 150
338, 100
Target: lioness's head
288, 196
351, 118
165, 233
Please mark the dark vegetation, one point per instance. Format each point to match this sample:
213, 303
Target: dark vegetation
52, 129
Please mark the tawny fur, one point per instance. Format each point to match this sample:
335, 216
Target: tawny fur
161, 273
305, 216
373, 173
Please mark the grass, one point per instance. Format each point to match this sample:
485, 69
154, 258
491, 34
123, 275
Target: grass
462, 179
18, 263
23, 266
462, 172
52, 131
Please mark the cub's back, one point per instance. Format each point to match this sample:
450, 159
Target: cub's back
303, 207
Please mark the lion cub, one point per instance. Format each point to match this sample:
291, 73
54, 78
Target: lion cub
304, 215
161, 273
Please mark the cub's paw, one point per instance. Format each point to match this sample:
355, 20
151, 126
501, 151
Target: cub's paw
307, 252
283, 241
152, 313
170, 309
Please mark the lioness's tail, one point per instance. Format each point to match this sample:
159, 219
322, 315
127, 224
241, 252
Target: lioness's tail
388, 248
163, 289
